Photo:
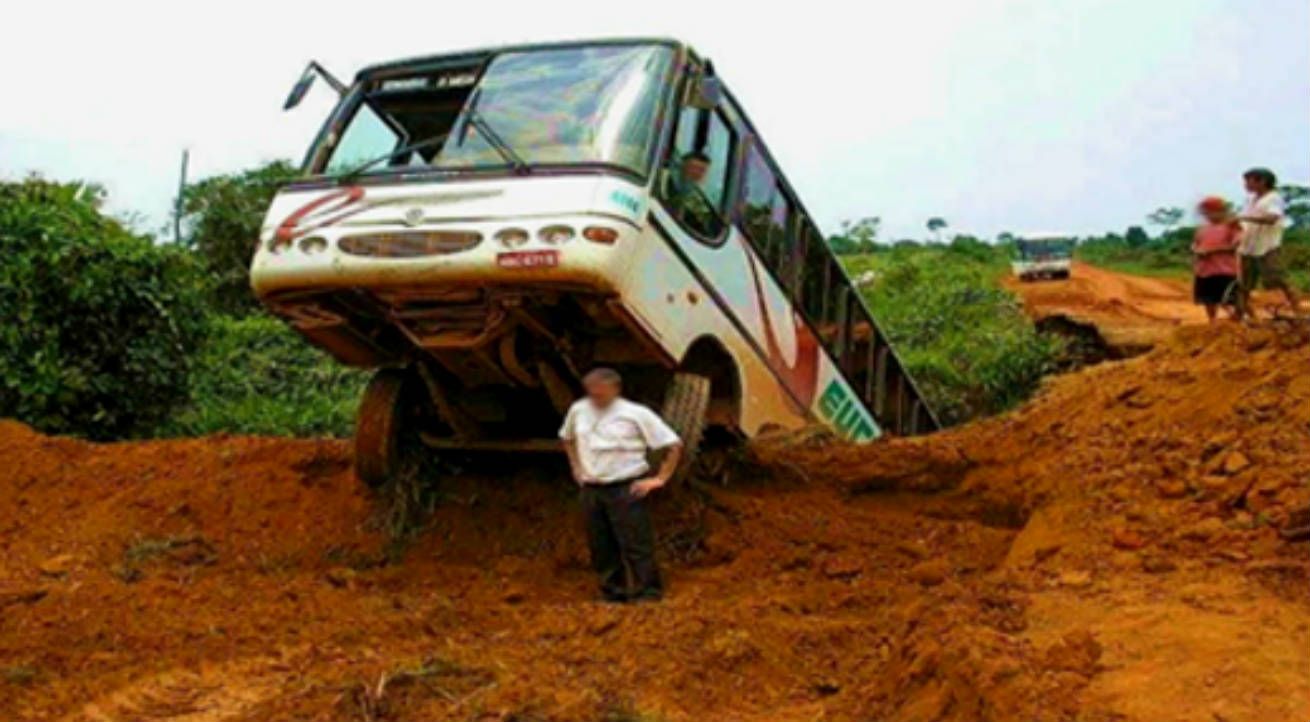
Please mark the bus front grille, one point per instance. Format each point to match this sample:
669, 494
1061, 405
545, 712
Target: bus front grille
409, 244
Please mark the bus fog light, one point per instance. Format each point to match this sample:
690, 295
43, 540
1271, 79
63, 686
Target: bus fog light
600, 234
512, 237
555, 234
313, 244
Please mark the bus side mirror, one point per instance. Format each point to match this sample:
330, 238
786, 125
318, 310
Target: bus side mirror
301, 87
707, 93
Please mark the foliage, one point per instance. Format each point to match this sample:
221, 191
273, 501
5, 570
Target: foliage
1298, 205
254, 375
965, 339
936, 225
1166, 217
99, 322
1169, 254
222, 215
859, 236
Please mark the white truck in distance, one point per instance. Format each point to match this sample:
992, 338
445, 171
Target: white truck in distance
1043, 256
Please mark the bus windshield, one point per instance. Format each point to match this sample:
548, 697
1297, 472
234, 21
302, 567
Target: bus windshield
551, 106
1045, 249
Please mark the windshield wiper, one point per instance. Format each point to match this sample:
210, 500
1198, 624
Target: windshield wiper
407, 148
473, 117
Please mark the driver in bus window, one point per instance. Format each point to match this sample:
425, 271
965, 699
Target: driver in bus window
686, 198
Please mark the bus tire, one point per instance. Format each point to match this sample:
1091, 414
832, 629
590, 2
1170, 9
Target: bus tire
378, 426
686, 403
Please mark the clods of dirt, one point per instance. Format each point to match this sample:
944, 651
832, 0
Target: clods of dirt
1122, 548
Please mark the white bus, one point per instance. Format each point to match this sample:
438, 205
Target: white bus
484, 227
1043, 255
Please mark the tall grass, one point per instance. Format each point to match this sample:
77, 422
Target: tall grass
964, 338
254, 375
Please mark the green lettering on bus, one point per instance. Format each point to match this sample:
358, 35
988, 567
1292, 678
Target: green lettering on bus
844, 414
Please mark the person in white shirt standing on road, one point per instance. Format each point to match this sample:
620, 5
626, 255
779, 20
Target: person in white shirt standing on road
607, 438
1263, 220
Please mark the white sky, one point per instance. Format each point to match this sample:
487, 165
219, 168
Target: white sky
1015, 115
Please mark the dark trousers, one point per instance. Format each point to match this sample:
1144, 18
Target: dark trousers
621, 538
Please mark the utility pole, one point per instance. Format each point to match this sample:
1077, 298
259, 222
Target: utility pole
177, 206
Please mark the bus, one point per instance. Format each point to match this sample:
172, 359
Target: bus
1043, 255
483, 227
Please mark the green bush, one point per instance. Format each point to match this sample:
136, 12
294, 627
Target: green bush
965, 339
254, 375
98, 322
222, 215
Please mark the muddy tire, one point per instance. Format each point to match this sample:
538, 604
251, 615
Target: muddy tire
686, 401
378, 427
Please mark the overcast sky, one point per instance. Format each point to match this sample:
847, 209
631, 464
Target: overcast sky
1019, 115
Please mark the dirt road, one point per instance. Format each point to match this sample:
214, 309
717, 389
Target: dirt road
1131, 312
1109, 552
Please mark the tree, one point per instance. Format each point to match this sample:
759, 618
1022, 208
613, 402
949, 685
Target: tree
1298, 205
1166, 217
100, 322
221, 218
842, 246
936, 225
1136, 237
858, 236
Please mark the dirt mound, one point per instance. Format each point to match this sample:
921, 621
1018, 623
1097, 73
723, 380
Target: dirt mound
1110, 552
1157, 504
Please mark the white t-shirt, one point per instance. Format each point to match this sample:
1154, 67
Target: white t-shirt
1261, 238
612, 442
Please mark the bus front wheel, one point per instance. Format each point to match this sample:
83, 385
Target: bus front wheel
378, 427
686, 403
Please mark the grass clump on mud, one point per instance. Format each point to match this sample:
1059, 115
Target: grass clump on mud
963, 337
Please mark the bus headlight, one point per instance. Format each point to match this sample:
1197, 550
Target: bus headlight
600, 234
512, 237
555, 234
279, 244
313, 244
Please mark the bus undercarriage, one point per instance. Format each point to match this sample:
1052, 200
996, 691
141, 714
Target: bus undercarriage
494, 368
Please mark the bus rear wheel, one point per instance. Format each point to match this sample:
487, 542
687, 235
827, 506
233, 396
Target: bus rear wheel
686, 403
378, 427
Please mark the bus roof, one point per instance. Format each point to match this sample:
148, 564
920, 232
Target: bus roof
473, 54
1047, 236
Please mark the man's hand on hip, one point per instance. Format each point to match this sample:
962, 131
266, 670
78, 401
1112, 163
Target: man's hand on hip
641, 488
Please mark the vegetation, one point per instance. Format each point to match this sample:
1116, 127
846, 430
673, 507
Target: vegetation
221, 217
100, 323
1169, 253
964, 338
110, 334
115, 335
254, 375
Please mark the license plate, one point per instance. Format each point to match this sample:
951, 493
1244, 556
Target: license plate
528, 259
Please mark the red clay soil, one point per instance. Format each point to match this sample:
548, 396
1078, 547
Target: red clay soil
1129, 311
1109, 552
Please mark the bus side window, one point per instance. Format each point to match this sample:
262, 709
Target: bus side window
698, 203
779, 246
718, 146
756, 209
814, 277
834, 308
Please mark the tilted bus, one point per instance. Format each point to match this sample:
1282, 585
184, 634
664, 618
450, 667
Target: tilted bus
484, 227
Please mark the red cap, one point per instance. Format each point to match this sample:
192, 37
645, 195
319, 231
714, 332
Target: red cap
1213, 203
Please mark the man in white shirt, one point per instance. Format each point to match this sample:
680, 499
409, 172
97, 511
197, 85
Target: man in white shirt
607, 438
1263, 220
